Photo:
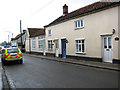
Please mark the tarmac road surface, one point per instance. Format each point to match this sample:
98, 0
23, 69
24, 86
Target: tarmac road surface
43, 73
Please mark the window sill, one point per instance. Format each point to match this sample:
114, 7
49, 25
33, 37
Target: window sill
50, 49
79, 28
83, 53
40, 48
33, 48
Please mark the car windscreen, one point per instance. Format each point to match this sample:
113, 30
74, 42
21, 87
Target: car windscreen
14, 50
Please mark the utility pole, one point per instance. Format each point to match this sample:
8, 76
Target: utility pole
8, 38
12, 35
21, 34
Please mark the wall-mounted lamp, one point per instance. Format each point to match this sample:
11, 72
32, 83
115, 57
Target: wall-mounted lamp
113, 31
66, 40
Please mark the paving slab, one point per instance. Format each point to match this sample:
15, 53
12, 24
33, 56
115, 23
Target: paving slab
0, 76
0, 73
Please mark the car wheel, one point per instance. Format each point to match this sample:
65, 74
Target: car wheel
21, 61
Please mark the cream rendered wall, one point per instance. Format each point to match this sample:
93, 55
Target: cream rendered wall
27, 41
119, 32
96, 24
27, 45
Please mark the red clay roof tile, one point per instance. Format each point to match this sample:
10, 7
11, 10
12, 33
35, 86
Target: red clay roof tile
36, 32
18, 36
97, 6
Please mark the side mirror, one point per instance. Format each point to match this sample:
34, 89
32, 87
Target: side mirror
3, 51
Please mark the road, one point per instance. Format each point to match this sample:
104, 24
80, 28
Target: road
43, 73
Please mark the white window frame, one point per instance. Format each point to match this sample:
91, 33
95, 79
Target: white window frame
79, 24
78, 44
50, 45
49, 32
41, 40
33, 43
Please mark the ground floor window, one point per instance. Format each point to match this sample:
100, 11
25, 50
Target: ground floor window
41, 42
50, 45
80, 46
33, 43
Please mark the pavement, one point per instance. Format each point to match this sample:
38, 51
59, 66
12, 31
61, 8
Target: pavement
0, 73
102, 65
4, 84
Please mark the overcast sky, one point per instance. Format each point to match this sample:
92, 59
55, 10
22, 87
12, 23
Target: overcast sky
33, 13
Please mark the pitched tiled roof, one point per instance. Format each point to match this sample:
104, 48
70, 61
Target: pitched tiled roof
36, 32
97, 6
18, 36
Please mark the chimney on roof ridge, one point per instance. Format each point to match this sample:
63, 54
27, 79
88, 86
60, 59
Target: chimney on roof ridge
65, 9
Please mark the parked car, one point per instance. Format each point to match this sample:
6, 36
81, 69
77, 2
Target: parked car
11, 54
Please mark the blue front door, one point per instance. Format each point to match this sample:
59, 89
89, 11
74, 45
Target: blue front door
63, 48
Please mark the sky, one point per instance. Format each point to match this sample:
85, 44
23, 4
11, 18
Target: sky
32, 13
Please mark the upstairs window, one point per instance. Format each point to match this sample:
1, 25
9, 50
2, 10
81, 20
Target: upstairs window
40, 44
49, 32
50, 45
79, 24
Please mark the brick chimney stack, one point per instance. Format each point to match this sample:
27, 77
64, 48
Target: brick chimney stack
65, 9
24, 30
